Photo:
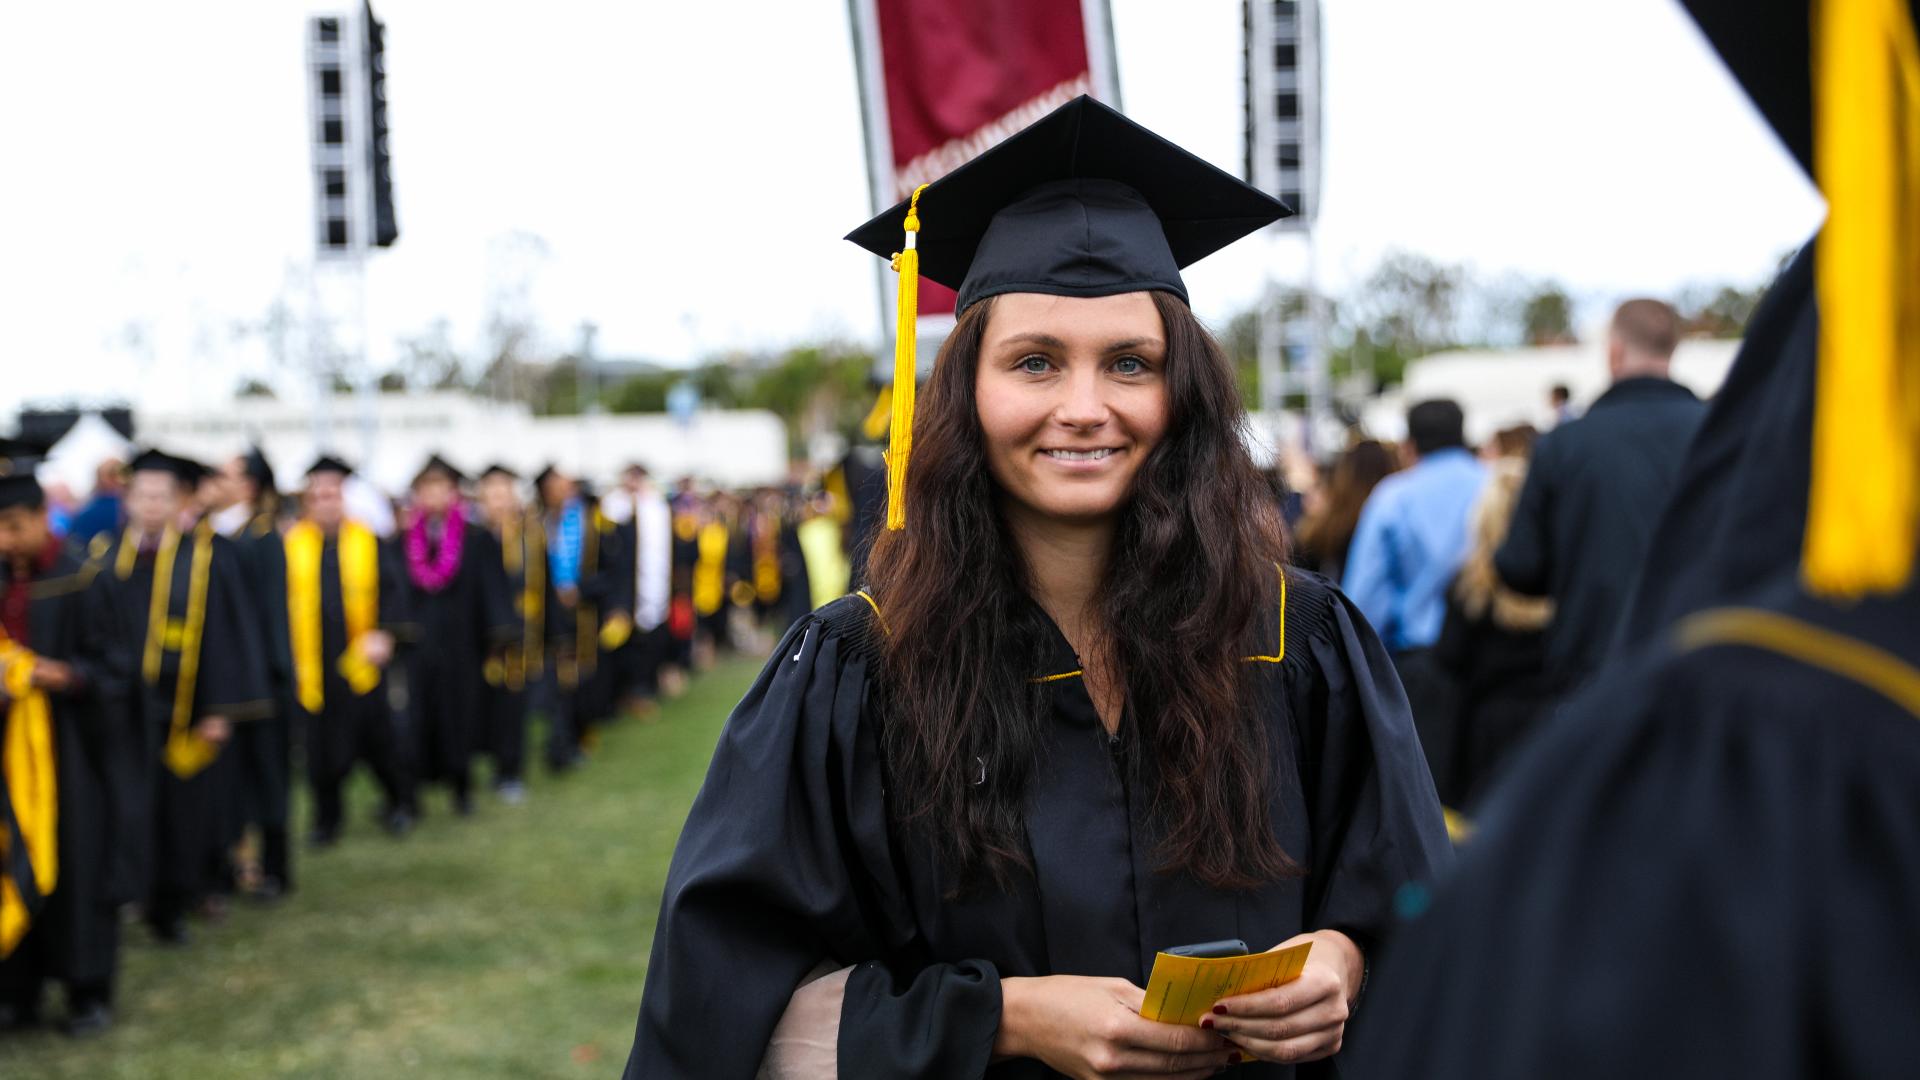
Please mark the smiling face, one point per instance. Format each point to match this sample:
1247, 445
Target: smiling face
1072, 397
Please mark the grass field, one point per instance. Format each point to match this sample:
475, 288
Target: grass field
511, 944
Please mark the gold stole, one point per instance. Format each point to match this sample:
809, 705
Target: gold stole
522, 547
359, 596
32, 786
766, 561
185, 753
710, 568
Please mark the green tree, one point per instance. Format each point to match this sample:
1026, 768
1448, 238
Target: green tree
1546, 317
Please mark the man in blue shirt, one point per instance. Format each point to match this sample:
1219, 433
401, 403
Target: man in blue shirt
1411, 540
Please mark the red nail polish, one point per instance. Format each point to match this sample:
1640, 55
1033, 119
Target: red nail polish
1206, 1021
1221, 1009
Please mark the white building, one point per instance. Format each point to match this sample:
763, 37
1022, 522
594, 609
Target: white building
388, 436
1498, 388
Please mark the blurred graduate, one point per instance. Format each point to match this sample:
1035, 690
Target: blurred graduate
1710, 866
459, 608
346, 616
519, 664
64, 676
1079, 713
182, 606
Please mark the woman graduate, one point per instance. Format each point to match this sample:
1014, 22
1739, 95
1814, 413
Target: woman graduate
1079, 715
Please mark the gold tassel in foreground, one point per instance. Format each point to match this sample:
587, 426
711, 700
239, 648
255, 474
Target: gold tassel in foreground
905, 367
1864, 504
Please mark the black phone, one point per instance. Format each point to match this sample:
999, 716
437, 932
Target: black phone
1211, 950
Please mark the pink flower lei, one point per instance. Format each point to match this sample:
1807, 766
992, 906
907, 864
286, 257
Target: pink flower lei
435, 574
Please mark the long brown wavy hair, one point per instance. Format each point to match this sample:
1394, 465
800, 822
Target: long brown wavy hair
1191, 571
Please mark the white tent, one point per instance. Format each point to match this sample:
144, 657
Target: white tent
76, 458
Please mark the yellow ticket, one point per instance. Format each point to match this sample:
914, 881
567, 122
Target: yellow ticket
1182, 989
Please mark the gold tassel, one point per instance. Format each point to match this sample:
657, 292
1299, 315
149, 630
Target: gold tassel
905, 367
1865, 496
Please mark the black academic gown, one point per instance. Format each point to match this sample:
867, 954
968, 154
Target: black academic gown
77, 934
788, 859
353, 727
521, 662
1708, 866
229, 680
261, 755
459, 624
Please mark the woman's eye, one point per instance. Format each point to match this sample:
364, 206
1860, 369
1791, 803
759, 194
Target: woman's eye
1130, 365
1035, 364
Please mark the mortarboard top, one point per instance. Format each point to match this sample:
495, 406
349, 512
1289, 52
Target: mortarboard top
1084, 202
546, 471
327, 463
18, 485
185, 470
497, 469
439, 466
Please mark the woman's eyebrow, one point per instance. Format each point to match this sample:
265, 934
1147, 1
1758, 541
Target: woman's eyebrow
1048, 341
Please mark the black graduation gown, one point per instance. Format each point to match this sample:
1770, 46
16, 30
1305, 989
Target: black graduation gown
262, 749
70, 619
352, 726
458, 626
1709, 866
521, 661
229, 681
788, 859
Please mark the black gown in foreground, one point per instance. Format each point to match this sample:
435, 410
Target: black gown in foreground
788, 858
1709, 867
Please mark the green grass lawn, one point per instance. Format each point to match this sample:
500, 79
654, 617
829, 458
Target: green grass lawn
510, 944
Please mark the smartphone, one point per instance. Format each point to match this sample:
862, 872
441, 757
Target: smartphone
1211, 950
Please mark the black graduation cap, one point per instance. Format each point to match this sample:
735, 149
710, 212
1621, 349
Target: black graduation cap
258, 468
153, 459
327, 463
497, 469
547, 470
1084, 202
439, 466
18, 485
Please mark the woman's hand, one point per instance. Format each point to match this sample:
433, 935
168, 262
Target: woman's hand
1091, 1028
1306, 1019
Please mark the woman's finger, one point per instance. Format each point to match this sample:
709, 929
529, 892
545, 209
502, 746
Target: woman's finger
1320, 1016
1311, 1047
1314, 985
1159, 1065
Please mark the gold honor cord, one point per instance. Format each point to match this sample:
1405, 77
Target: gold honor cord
1865, 492
906, 364
186, 753
535, 658
29, 785
1835, 653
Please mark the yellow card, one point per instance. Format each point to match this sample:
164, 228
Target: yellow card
1182, 989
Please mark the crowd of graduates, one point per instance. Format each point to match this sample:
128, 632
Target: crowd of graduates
182, 652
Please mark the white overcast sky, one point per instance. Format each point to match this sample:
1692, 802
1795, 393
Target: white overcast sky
691, 167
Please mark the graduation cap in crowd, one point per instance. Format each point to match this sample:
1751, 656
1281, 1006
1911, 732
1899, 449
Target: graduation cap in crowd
327, 463
547, 472
1082, 203
258, 469
184, 469
1840, 84
497, 469
18, 484
439, 466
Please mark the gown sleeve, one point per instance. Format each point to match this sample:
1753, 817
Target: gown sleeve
1376, 820
784, 864
233, 664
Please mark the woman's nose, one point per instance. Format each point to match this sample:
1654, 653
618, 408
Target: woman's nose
1083, 403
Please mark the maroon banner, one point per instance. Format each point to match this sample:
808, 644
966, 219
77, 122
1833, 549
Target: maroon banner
957, 76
